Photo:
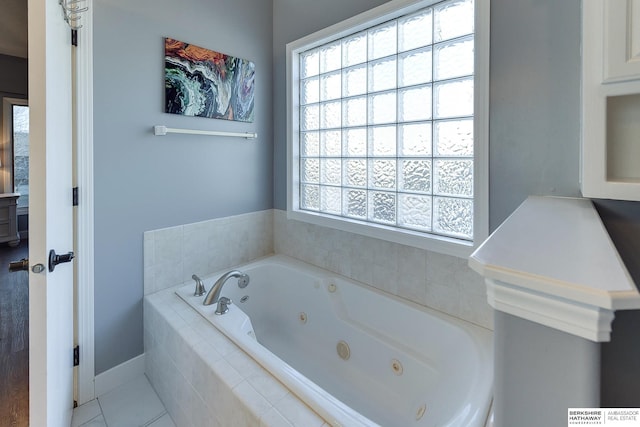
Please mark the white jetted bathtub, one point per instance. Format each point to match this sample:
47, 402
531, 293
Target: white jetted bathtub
356, 356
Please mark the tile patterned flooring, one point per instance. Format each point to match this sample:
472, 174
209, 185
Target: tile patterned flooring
132, 404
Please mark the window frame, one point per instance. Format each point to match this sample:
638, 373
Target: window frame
7, 148
423, 240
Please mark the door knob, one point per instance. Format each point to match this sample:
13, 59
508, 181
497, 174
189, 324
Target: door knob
22, 265
55, 259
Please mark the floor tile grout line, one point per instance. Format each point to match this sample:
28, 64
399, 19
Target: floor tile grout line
93, 419
153, 420
146, 423
102, 412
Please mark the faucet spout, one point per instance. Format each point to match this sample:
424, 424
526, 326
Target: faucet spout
214, 293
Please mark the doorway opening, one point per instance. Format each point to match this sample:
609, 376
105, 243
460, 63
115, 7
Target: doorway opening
14, 246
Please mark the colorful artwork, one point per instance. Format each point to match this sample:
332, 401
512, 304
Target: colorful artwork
201, 82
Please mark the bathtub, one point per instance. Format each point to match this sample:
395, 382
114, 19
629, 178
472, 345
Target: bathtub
356, 356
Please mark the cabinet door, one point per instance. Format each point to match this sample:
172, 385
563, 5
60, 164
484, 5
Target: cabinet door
622, 40
610, 99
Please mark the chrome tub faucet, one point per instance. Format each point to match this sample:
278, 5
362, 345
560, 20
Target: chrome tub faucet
214, 293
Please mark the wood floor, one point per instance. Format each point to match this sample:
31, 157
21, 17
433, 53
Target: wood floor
14, 339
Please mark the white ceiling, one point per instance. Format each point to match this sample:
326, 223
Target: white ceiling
13, 28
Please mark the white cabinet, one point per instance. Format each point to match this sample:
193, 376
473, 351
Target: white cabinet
611, 99
621, 40
8, 219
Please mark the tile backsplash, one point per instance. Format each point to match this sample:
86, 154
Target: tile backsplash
441, 282
172, 255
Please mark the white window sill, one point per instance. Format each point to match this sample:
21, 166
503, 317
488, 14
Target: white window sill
430, 242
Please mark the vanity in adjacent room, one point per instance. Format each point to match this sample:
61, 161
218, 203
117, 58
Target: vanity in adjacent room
8, 219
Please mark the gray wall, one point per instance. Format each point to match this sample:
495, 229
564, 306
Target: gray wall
541, 372
620, 371
534, 111
144, 182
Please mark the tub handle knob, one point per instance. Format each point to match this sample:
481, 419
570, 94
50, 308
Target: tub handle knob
223, 304
200, 289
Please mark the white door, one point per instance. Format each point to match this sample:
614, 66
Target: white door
50, 216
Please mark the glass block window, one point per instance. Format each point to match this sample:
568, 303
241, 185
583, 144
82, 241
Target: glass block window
386, 121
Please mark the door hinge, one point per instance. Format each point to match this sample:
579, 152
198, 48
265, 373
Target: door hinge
74, 37
75, 196
76, 356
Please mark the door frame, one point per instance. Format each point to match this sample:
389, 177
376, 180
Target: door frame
84, 227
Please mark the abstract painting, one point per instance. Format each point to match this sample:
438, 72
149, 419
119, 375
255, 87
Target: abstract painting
204, 83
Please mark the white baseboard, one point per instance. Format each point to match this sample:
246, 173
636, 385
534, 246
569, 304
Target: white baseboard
119, 375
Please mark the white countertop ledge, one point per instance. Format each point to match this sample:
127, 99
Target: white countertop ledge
553, 262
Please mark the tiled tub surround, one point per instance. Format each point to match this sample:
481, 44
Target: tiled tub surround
399, 358
190, 363
205, 380
172, 255
442, 282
